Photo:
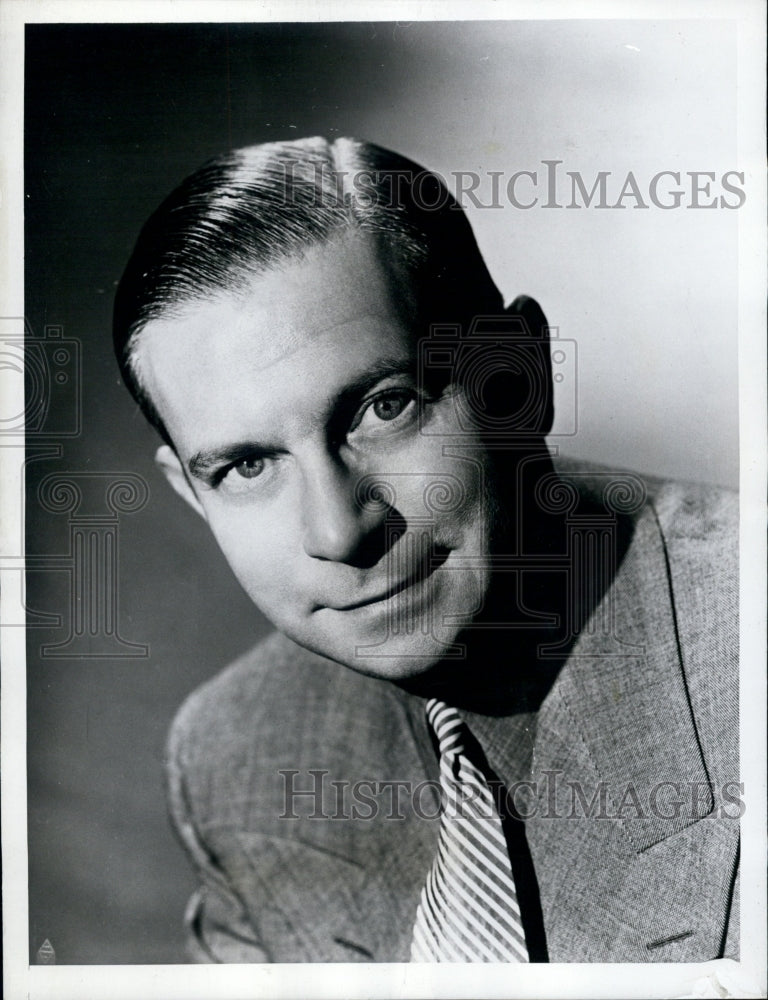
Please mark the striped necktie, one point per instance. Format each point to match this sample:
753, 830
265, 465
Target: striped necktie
468, 910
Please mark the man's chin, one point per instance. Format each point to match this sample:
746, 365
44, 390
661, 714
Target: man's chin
397, 667
398, 658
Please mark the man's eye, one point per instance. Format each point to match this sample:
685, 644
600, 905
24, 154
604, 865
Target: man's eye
388, 413
249, 468
235, 478
390, 407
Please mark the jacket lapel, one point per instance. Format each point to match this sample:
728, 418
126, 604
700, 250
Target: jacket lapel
626, 860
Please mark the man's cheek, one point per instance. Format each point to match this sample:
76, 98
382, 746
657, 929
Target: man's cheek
258, 560
460, 489
276, 599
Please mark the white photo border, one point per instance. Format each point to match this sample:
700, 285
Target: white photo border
167, 982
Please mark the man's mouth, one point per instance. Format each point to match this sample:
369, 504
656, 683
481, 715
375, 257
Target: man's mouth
425, 568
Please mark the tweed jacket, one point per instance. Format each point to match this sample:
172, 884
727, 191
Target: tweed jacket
631, 815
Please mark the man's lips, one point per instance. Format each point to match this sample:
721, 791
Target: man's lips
426, 568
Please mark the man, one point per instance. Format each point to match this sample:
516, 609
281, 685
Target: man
496, 721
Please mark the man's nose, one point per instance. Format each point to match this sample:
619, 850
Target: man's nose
337, 526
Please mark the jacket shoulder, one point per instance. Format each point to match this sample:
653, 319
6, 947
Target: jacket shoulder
240, 698
705, 516
698, 522
276, 709
699, 528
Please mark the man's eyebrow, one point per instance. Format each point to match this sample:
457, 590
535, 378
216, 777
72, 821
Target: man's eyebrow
203, 463
377, 372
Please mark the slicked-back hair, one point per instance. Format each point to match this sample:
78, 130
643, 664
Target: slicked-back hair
252, 210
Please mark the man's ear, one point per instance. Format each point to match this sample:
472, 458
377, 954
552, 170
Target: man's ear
168, 462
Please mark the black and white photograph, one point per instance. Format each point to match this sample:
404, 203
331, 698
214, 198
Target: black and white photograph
384, 445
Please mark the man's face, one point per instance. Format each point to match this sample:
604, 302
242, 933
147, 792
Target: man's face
321, 466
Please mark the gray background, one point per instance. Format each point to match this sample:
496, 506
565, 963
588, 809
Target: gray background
115, 117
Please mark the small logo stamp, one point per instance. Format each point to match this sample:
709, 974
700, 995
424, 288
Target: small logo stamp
45, 954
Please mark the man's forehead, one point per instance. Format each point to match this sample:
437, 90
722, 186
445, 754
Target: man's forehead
339, 282
334, 308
